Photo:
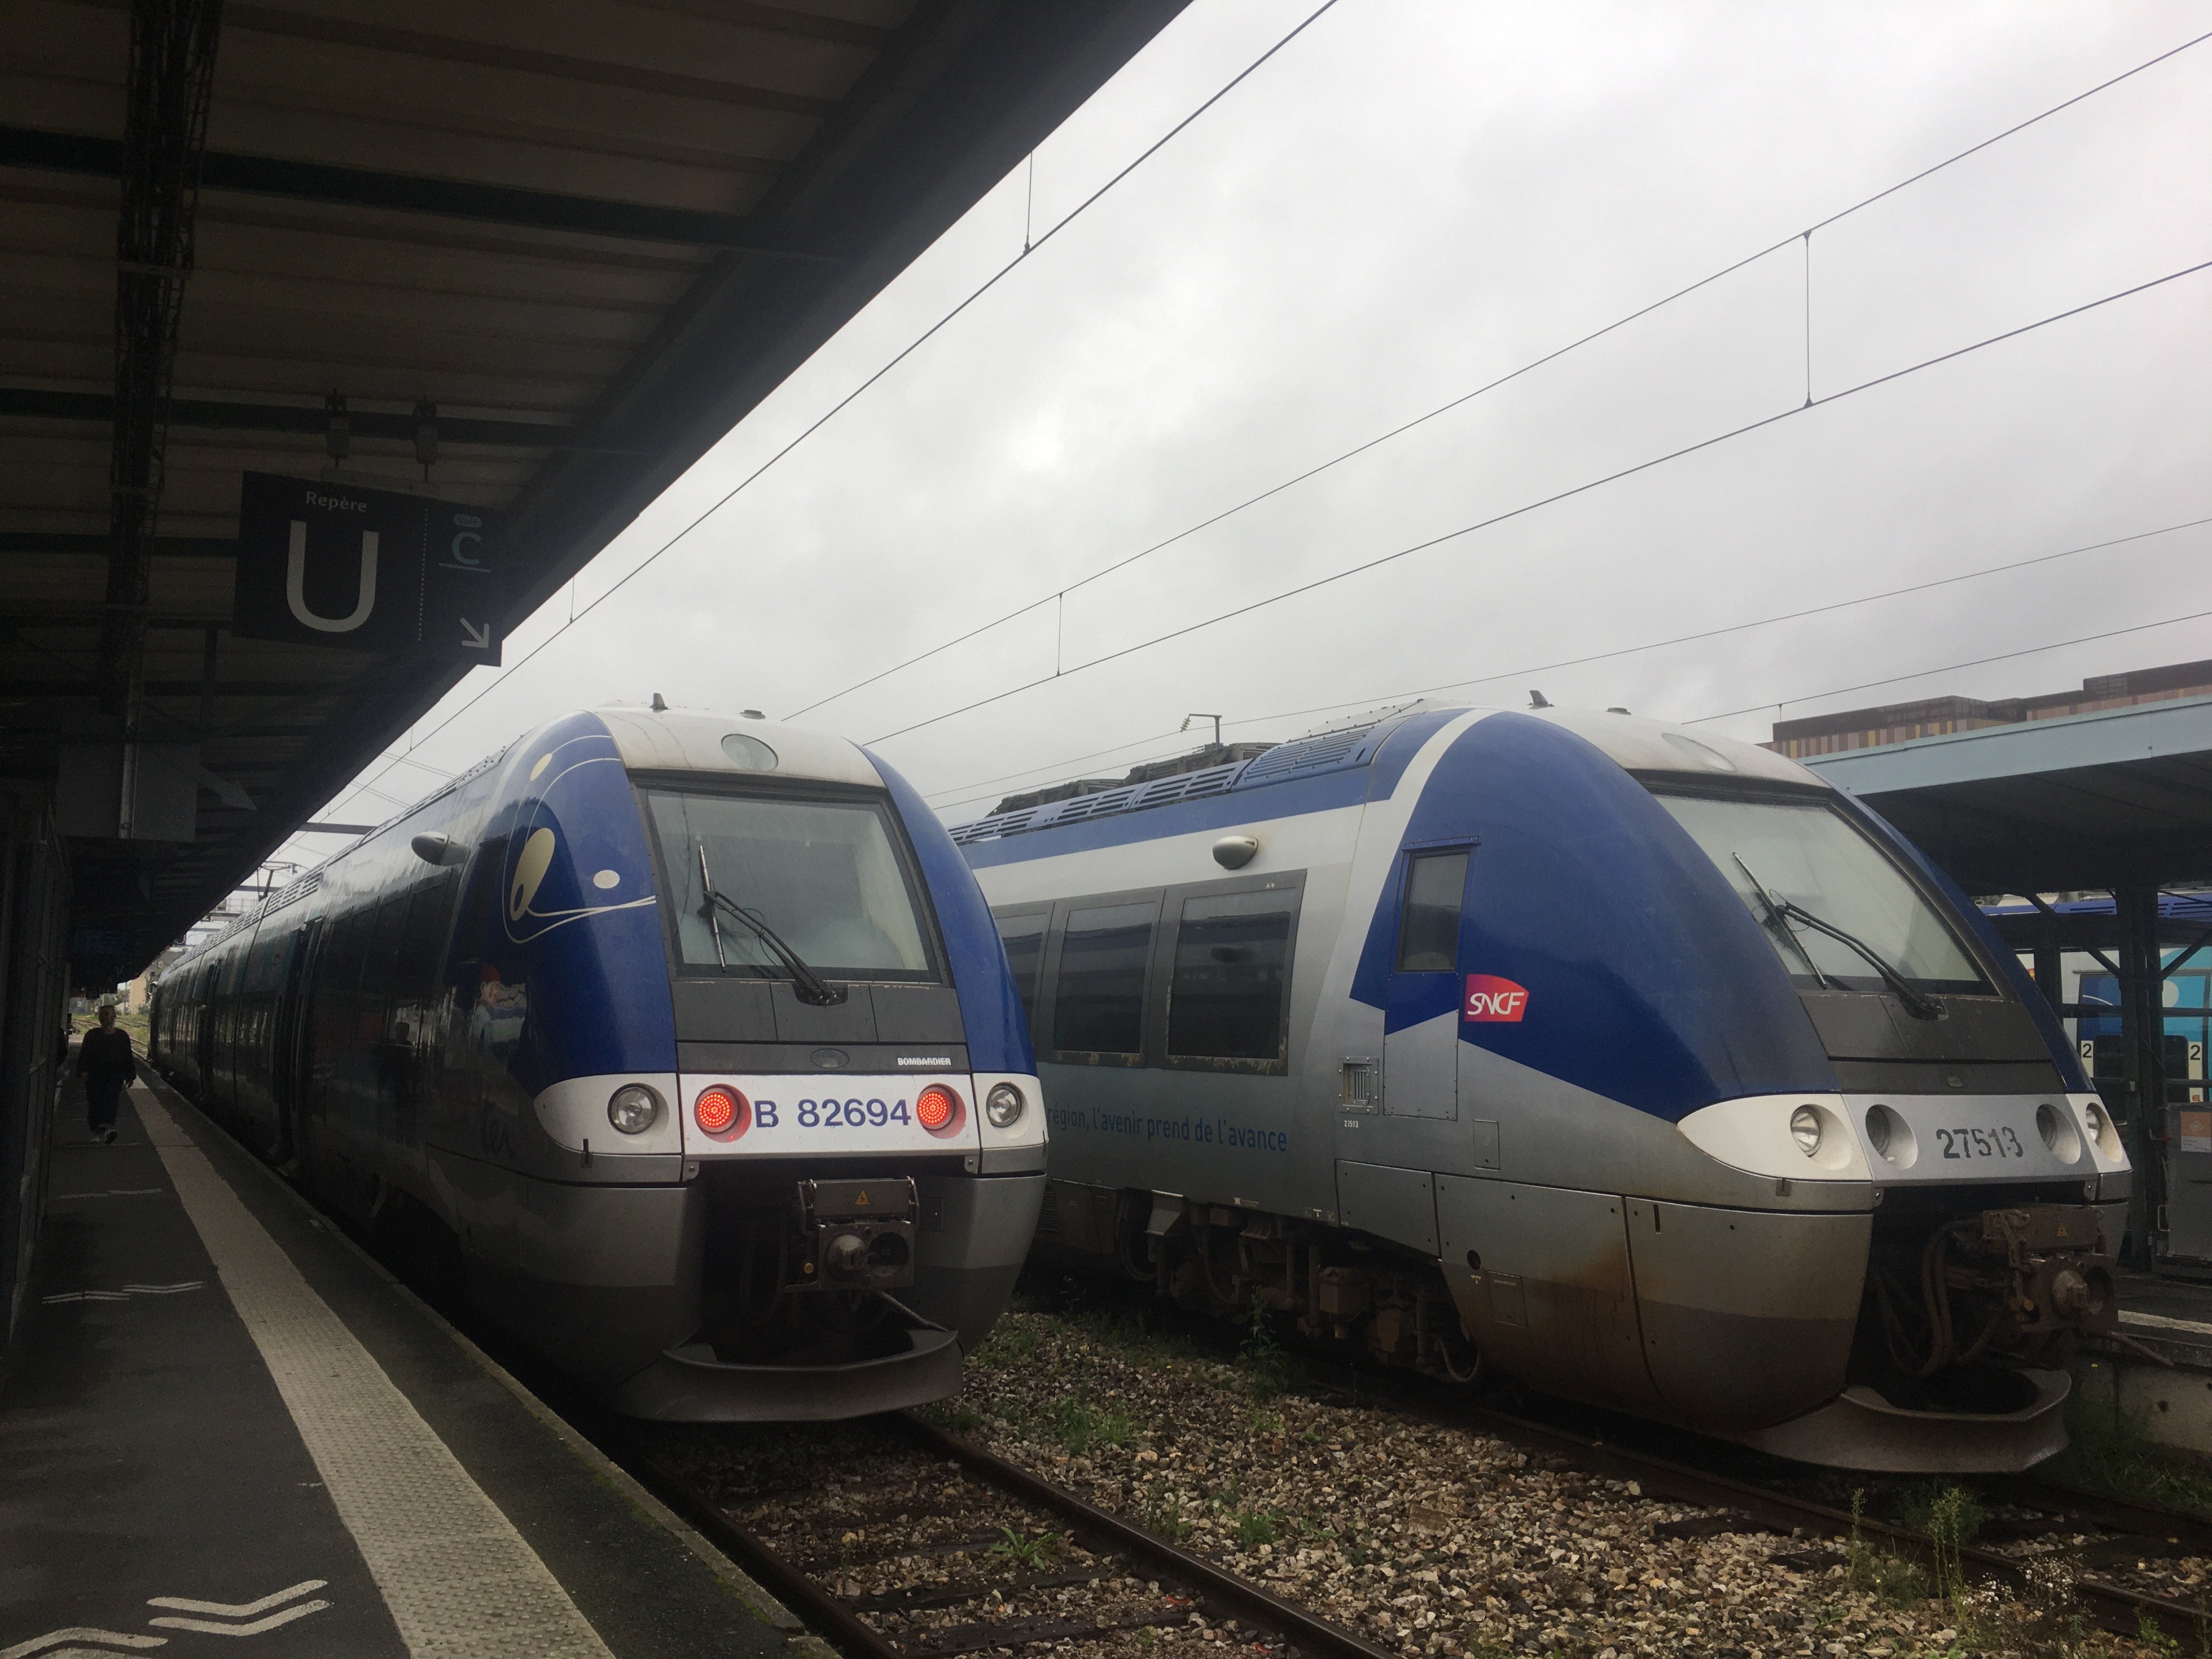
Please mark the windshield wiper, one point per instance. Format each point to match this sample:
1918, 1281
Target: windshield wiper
1784, 911
807, 985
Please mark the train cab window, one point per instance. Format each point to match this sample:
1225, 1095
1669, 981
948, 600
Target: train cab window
825, 876
1099, 998
1232, 959
1808, 874
1023, 938
1428, 920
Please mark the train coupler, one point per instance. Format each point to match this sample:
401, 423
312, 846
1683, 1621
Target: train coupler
856, 1234
2056, 1277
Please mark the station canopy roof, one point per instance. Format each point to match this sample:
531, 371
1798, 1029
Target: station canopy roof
2122, 797
592, 236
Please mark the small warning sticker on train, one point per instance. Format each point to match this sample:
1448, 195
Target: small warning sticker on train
1490, 998
2196, 1132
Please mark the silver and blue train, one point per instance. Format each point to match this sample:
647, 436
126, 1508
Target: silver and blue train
686, 1043
1640, 1066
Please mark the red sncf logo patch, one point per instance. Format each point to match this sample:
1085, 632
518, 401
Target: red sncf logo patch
1490, 998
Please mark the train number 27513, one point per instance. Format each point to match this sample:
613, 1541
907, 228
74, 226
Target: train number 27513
2000, 1142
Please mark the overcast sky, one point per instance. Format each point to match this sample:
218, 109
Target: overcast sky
1408, 201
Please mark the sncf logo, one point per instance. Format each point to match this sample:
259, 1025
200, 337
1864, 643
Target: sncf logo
1490, 998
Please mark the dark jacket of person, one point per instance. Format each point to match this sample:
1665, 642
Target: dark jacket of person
106, 1055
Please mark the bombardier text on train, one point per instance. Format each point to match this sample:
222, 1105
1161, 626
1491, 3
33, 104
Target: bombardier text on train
683, 1043
1640, 1066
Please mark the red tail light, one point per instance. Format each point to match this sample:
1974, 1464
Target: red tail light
937, 1109
721, 1111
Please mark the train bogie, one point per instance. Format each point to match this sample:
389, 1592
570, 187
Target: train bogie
1633, 1065
687, 1042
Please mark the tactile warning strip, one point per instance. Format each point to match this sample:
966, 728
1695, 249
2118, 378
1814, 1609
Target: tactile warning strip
459, 1580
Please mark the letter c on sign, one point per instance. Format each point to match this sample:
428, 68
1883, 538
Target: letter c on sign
470, 539
1492, 999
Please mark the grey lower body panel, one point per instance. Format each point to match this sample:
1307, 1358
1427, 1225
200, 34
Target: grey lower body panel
975, 1234
689, 1385
1860, 1429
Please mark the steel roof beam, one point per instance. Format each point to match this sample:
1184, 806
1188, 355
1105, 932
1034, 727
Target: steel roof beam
98, 546
400, 193
311, 420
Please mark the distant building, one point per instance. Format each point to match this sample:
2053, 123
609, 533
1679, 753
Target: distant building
1901, 722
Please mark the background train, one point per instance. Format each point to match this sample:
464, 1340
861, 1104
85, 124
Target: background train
1643, 1068
686, 1041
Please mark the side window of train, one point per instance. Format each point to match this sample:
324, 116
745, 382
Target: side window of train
1228, 989
1098, 993
1023, 935
1428, 915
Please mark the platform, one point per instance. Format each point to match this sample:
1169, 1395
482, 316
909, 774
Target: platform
228, 1421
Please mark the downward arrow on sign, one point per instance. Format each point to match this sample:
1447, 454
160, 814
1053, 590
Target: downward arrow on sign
474, 638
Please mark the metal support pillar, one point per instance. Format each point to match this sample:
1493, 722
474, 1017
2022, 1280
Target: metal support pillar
2142, 1032
2050, 962
171, 78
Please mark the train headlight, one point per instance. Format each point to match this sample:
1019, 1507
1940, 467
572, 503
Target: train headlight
1805, 1130
1003, 1106
633, 1108
2058, 1134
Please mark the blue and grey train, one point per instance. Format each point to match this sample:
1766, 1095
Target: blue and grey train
1638, 1067
684, 1044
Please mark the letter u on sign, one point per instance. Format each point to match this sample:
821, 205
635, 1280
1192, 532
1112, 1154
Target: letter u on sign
1490, 999
295, 583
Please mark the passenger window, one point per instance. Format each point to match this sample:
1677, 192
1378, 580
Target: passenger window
1428, 926
1098, 1003
1023, 938
1232, 965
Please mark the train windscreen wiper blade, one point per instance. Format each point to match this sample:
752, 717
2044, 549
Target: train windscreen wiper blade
1917, 1004
807, 985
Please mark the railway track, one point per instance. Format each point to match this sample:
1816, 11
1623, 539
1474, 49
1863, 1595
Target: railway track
941, 1548
2132, 1531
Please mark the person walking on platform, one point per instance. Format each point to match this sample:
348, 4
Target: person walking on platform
104, 1060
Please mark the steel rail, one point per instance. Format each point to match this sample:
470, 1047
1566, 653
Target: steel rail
1313, 1635
2125, 1514
823, 1613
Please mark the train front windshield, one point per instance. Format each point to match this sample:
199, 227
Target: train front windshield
826, 878
1815, 863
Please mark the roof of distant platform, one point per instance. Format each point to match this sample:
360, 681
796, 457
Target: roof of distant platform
590, 236
2120, 797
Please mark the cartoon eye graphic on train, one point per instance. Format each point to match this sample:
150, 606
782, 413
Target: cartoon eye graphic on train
549, 885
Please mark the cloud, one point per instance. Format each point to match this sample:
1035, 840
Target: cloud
1409, 201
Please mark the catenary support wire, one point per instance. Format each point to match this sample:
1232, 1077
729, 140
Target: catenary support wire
1685, 450
1353, 453
912, 346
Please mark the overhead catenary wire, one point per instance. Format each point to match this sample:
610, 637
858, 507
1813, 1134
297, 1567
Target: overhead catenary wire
1614, 653
1780, 703
1805, 236
1029, 248
1685, 450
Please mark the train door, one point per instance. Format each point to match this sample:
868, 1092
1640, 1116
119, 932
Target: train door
203, 994
288, 1048
1420, 1043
